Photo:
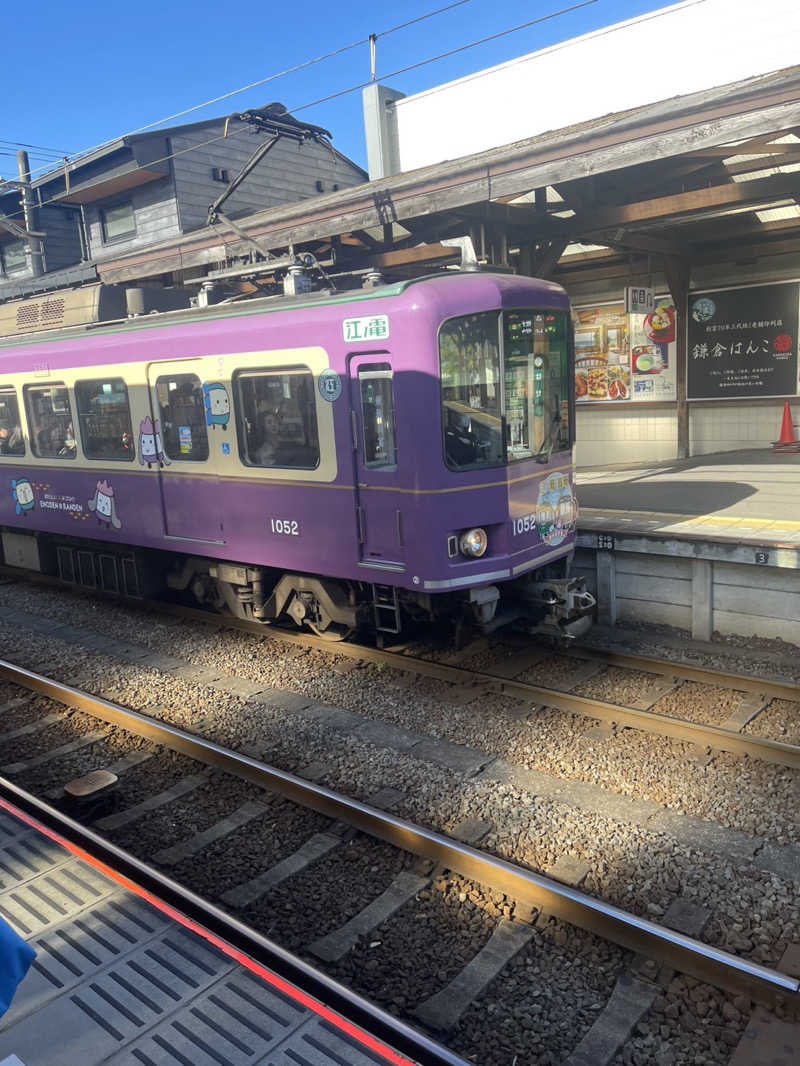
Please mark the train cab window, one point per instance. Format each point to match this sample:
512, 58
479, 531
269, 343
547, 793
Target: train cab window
181, 403
377, 415
104, 417
277, 418
12, 441
536, 383
50, 421
469, 355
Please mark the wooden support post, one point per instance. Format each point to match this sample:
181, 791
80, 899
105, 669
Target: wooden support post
677, 273
606, 587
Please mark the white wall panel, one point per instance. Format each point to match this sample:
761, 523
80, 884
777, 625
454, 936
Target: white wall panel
680, 49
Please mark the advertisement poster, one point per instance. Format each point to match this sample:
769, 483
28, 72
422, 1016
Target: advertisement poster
620, 357
743, 342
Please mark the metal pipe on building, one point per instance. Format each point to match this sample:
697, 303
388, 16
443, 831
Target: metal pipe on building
34, 245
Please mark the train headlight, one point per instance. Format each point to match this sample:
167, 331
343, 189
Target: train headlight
473, 542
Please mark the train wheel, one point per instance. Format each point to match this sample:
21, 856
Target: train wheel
333, 632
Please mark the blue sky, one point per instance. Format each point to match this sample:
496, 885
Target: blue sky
73, 78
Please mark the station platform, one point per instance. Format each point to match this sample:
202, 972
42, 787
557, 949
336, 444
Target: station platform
119, 979
707, 545
742, 496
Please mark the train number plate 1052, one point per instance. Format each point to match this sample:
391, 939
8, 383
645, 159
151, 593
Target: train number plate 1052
286, 527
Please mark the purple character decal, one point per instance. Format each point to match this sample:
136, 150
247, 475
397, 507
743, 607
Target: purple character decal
104, 505
151, 450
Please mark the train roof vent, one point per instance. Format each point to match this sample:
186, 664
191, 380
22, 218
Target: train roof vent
40, 315
68, 307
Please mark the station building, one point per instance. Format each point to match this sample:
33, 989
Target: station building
712, 230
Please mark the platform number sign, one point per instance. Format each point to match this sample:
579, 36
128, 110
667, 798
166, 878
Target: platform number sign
762, 557
367, 328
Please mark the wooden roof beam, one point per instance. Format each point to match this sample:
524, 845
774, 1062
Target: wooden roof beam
765, 106
686, 204
642, 242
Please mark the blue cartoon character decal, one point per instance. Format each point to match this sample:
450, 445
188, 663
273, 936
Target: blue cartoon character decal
218, 404
151, 450
22, 495
104, 506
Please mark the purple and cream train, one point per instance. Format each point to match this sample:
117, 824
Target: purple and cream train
344, 461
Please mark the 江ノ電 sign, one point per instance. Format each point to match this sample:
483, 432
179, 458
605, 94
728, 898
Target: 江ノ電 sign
743, 342
368, 328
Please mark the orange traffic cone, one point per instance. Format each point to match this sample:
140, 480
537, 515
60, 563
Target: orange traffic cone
787, 440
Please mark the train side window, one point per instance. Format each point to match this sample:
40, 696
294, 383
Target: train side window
277, 418
377, 414
12, 441
50, 421
181, 405
104, 417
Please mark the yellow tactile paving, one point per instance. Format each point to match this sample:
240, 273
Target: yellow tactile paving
730, 521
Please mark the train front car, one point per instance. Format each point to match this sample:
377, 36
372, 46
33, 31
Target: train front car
494, 530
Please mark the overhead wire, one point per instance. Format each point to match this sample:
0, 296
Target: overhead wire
39, 148
275, 77
362, 85
446, 55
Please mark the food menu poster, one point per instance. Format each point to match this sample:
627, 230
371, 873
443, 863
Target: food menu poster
622, 357
743, 342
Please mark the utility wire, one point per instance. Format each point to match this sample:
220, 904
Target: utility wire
446, 55
362, 85
274, 77
40, 149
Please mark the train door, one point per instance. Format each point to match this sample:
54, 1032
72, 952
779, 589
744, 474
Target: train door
378, 511
175, 444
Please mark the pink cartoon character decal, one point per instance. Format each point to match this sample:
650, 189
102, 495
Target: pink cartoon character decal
104, 506
151, 450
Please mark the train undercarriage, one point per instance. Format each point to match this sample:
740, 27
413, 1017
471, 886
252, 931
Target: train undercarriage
550, 602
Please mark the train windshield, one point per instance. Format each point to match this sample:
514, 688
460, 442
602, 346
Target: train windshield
505, 387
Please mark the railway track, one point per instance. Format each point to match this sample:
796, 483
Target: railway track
153, 885
470, 684
522, 892
503, 679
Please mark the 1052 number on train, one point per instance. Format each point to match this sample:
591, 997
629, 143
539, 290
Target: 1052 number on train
286, 527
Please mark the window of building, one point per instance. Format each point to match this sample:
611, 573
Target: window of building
277, 418
50, 421
118, 222
13, 255
377, 415
12, 441
104, 416
181, 406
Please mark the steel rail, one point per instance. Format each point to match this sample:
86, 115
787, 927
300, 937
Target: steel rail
701, 734
148, 881
780, 690
630, 931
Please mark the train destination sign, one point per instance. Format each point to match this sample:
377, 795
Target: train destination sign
743, 342
367, 328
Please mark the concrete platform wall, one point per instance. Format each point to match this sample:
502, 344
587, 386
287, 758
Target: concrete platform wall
699, 595
626, 434
729, 427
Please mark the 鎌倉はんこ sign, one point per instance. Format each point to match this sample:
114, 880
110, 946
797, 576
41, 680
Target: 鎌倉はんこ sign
743, 342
